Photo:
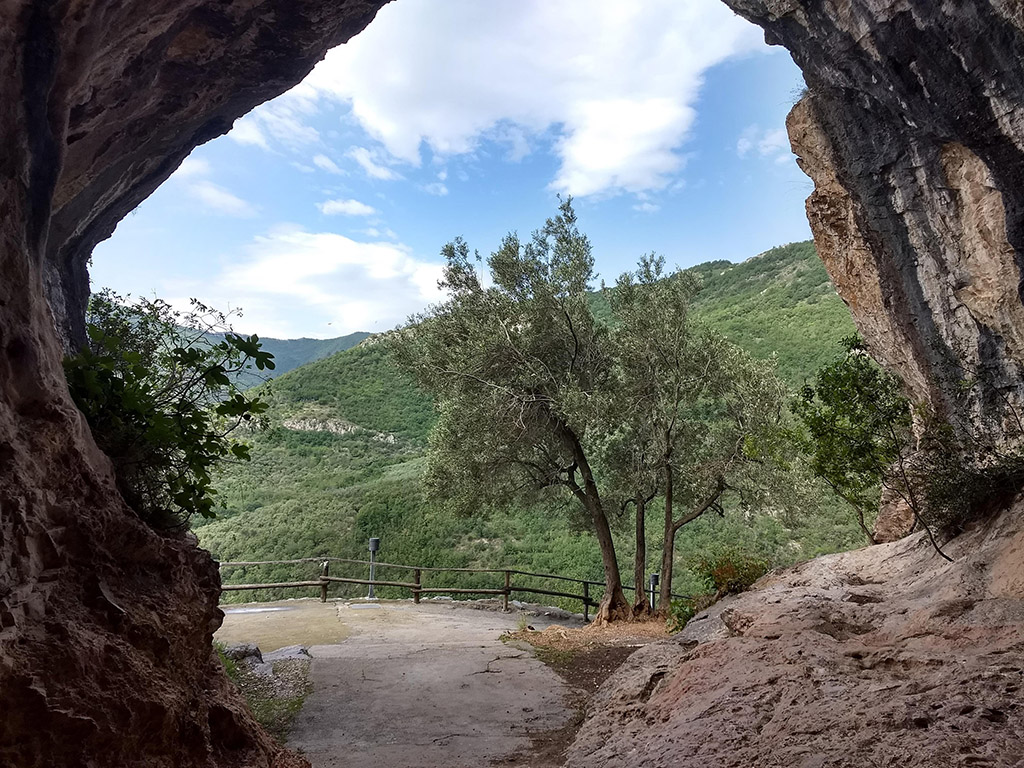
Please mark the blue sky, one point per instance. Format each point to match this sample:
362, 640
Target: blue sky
323, 212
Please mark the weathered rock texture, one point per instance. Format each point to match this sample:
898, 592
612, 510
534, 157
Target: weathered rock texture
105, 626
912, 129
887, 656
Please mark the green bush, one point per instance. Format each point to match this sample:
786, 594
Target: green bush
727, 571
685, 608
731, 570
963, 484
159, 396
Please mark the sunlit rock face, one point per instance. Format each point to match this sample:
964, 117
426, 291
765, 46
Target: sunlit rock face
105, 626
912, 129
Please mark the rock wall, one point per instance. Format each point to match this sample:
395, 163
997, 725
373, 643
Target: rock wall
886, 656
105, 626
912, 129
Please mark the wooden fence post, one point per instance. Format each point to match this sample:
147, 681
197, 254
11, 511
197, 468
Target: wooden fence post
325, 570
508, 590
416, 591
586, 601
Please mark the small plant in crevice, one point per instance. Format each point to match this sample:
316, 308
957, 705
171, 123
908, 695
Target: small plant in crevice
967, 474
685, 608
230, 665
726, 571
158, 390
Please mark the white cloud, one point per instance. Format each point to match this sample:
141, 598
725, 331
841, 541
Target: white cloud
771, 143
614, 83
284, 120
436, 188
191, 167
374, 169
247, 131
346, 208
325, 163
647, 207
387, 234
290, 280
217, 198
193, 173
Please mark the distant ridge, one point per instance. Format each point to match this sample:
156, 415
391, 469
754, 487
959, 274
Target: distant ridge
290, 354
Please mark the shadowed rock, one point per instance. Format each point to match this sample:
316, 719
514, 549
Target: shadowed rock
106, 626
912, 129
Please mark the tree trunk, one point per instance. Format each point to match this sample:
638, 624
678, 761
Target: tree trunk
668, 546
641, 605
614, 606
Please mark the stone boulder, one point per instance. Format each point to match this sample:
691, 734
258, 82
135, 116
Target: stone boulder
885, 656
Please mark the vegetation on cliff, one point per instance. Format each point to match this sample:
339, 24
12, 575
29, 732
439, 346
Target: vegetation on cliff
162, 401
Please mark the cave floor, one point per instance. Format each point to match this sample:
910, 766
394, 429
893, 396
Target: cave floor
414, 686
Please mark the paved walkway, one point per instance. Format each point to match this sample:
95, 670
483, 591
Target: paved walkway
411, 686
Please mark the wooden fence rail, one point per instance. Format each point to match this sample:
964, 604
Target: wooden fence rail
416, 587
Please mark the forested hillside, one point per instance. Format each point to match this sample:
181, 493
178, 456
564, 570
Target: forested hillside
289, 354
343, 459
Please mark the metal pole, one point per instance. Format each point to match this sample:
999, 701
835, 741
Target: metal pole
654, 589
374, 546
373, 570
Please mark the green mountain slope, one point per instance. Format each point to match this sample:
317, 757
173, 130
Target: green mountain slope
289, 354
344, 459
780, 303
361, 387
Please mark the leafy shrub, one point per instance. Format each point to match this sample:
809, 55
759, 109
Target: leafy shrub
963, 484
160, 398
732, 570
729, 570
856, 423
686, 608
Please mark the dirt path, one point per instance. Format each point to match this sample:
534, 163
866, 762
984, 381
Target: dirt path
407, 686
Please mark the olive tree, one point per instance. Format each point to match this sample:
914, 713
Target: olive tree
703, 419
520, 370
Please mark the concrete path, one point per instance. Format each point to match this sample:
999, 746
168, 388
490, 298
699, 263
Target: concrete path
413, 686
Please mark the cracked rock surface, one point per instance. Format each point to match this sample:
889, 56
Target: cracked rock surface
885, 656
912, 130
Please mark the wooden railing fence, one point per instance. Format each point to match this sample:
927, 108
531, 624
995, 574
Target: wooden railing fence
416, 587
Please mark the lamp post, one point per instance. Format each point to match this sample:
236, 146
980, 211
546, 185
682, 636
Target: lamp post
374, 546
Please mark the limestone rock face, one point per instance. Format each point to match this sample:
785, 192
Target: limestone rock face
912, 129
886, 656
105, 626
